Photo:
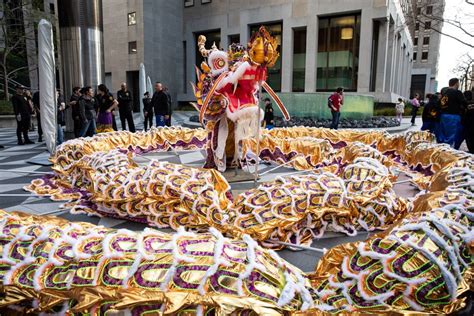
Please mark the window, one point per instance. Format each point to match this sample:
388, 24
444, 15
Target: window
274, 74
234, 39
51, 8
415, 55
417, 26
427, 25
429, 10
299, 59
418, 11
426, 41
188, 3
132, 47
415, 41
206, 1
424, 56
132, 18
338, 53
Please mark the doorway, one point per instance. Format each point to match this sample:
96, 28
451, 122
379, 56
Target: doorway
134, 88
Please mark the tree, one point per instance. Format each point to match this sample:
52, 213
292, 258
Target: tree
430, 15
464, 71
18, 28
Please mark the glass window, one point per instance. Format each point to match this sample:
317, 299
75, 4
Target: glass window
426, 41
338, 53
427, 25
274, 73
418, 11
132, 18
424, 56
417, 26
132, 47
234, 39
211, 38
415, 41
429, 9
188, 3
415, 55
299, 59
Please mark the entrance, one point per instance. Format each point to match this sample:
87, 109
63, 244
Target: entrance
134, 88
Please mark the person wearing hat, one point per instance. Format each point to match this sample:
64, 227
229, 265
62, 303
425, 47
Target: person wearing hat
22, 111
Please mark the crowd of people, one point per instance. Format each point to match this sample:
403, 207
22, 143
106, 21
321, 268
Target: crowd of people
447, 114
91, 111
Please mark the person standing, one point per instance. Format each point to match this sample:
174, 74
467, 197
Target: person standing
107, 104
124, 98
161, 106
431, 115
74, 104
452, 106
400, 110
469, 128
335, 101
23, 115
29, 99
87, 105
61, 117
147, 110
269, 116
36, 107
168, 95
415, 105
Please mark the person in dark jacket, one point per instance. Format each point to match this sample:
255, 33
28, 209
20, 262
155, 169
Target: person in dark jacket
147, 111
430, 115
22, 111
161, 105
74, 104
124, 98
36, 106
269, 115
87, 114
469, 119
452, 107
168, 95
61, 117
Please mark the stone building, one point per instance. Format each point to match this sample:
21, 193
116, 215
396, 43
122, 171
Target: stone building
363, 45
426, 43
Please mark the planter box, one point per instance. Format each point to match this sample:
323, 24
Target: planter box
7, 121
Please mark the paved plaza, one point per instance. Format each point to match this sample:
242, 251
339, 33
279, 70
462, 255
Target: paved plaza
16, 171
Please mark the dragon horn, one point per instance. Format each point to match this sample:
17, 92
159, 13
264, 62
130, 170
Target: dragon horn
202, 46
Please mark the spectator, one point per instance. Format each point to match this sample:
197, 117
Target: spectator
61, 117
124, 98
400, 110
431, 115
74, 103
335, 101
87, 105
269, 115
23, 115
107, 104
36, 107
415, 105
469, 118
161, 105
168, 95
29, 99
452, 106
147, 111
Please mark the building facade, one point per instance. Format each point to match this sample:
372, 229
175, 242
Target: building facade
364, 46
426, 43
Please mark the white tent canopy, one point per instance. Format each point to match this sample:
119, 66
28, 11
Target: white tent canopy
142, 87
47, 84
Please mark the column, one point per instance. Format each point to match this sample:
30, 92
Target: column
287, 58
311, 54
366, 32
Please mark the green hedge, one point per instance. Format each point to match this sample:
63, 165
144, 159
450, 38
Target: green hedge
6, 108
